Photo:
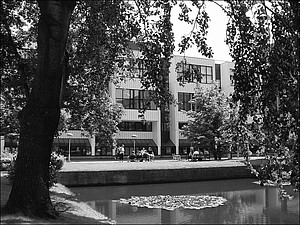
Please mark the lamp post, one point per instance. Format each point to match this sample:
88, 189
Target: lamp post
69, 135
134, 136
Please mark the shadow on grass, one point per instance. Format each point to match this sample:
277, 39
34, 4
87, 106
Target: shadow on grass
70, 209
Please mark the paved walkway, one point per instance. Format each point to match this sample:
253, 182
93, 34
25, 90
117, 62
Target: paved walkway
157, 164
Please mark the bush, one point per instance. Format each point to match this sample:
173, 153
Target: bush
56, 163
6, 159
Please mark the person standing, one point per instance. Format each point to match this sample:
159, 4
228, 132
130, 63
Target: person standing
214, 148
218, 150
121, 153
144, 154
150, 154
118, 153
190, 156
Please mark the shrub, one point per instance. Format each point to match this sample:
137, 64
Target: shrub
56, 163
6, 158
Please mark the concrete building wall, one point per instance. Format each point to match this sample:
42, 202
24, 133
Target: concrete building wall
133, 115
156, 134
226, 79
2, 143
140, 135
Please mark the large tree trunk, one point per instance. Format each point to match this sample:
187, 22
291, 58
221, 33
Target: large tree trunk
39, 118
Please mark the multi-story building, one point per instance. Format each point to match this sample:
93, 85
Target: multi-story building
160, 128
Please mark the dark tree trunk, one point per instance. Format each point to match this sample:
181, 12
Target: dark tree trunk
39, 118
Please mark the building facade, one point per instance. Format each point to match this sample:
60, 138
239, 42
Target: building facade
161, 128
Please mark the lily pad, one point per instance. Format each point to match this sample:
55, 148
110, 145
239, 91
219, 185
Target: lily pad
170, 202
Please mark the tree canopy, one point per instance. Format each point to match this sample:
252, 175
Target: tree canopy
211, 109
265, 50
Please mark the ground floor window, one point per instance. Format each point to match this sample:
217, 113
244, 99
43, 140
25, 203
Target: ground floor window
103, 151
78, 146
74, 150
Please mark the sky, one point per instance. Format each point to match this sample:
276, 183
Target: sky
216, 33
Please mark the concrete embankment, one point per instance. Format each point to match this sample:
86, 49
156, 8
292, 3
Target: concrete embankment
165, 171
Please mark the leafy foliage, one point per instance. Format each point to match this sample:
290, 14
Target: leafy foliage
157, 48
197, 36
211, 108
17, 59
55, 165
265, 50
97, 49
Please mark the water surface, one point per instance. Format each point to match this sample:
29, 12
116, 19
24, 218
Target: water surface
247, 203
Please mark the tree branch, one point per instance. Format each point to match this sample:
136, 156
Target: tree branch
137, 3
280, 18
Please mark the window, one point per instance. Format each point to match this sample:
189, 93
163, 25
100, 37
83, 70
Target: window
135, 126
206, 74
140, 67
184, 101
119, 96
134, 99
191, 73
218, 71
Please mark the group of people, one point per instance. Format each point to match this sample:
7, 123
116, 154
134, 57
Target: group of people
195, 155
142, 155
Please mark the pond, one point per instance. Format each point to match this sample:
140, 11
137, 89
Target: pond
246, 203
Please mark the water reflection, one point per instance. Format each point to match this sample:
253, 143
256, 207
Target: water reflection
247, 203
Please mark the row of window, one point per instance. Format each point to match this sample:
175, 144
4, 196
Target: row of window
134, 99
186, 73
141, 126
191, 73
137, 99
135, 126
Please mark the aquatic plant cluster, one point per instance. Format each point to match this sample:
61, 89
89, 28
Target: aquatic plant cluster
272, 183
169, 202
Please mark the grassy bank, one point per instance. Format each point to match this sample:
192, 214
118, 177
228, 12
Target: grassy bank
71, 210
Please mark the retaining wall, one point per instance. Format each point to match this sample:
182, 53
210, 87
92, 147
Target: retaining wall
94, 178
